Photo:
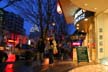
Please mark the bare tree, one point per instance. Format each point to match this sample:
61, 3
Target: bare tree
37, 12
10, 2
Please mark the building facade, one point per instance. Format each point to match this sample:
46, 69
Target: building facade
11, 26
84, 22
101, 24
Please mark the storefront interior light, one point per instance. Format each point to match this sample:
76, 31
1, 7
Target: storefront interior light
86, 19
48, 38
84, 10
77, 25
82, 31
85, 4
77, 28
95, 8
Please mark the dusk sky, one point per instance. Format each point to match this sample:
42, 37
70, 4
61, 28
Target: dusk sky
27, 25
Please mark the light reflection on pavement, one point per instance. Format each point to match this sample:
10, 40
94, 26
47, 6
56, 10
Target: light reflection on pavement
20, 66
9, 67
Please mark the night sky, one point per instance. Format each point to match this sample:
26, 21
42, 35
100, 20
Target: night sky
27, 25
70, 27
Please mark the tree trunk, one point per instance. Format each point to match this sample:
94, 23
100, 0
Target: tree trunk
40, 17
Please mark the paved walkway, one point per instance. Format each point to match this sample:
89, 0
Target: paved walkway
91, 68
63, 66
59, 66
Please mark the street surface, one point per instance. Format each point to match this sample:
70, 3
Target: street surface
91, 68
21, 66
57, 66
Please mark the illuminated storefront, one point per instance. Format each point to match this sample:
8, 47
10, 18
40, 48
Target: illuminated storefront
14, 39
84, 22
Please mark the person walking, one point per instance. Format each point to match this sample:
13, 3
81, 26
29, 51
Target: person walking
41, 47
53, 50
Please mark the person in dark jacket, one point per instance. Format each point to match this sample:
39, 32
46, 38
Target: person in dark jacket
41, 47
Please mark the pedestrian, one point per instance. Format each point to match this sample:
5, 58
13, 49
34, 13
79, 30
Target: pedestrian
41, 47
3, 58
47, 47
53, 50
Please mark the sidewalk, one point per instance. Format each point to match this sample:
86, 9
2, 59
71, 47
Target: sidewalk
58, 66
90, 68
61, 66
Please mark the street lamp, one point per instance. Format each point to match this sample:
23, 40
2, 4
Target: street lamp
53, 24
59, 10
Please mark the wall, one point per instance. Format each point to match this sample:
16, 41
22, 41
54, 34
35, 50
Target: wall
101, 31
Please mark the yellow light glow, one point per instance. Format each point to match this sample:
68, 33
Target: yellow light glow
11, 41
85, 4
77, 25
77, 28
59, 10
95, 8
82, 31
86, 19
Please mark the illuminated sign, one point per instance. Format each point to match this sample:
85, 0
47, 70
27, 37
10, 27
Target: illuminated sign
76, 43
79, 16
78, 13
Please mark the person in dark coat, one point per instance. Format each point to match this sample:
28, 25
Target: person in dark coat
41, 47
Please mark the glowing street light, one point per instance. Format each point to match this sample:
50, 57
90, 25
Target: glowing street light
53, 24
59, 10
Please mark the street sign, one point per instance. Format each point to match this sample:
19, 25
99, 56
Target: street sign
82, 54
